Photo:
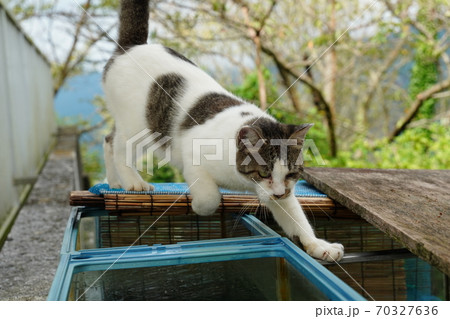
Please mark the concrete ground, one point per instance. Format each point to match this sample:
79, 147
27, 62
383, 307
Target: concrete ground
30, 255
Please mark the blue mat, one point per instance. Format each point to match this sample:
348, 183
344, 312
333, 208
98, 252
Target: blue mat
302, 189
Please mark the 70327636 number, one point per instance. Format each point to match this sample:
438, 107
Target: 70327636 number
407, 310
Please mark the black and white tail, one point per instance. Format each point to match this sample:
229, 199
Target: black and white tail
133, 23
133, 28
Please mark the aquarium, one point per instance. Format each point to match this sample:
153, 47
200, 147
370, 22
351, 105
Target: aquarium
241, 260
99, 229
249, 279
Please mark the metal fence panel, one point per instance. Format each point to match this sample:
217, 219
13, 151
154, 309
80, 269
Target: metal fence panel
27, 119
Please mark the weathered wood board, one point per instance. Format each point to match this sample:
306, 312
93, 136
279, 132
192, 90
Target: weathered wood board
412, 206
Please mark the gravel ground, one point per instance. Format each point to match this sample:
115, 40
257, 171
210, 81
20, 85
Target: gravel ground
30, 255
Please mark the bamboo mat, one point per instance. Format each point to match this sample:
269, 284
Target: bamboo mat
174, 204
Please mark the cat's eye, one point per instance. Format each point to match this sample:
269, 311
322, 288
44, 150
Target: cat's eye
292, 176
264, 174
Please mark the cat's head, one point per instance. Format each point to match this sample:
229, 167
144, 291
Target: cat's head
270, 154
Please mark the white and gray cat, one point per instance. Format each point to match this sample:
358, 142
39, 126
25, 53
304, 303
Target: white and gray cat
149, 86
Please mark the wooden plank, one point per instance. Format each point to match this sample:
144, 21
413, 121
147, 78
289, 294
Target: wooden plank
411, 206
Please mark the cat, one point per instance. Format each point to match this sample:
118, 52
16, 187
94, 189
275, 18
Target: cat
150, 86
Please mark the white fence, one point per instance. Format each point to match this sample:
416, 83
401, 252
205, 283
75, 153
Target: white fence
27, 119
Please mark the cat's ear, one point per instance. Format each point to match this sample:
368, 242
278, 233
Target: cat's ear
300, 133
251, 134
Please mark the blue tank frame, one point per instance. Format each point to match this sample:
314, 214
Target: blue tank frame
264, 242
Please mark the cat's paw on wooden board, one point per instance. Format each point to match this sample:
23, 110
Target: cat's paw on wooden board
324, 250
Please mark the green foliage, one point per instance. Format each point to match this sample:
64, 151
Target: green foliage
249, 91
416, 148
423, 148
424, 74
93, 164
219, 6
110, 4
164, 174
425, 71
94, 167
24, 9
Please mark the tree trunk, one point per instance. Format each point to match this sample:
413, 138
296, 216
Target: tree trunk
331, 65
291, 91
260, 73
255, 37
318, 99
415, 106
324, 107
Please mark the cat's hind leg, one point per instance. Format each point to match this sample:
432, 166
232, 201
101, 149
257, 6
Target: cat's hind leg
204, 190
129, 177
111, 173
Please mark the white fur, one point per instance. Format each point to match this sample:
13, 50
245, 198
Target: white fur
127, 86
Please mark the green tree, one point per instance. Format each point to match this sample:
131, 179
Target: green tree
337, 64
415, 148
424, 74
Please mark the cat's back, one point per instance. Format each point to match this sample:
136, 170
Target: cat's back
148, 62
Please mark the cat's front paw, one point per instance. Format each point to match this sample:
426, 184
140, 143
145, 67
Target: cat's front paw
114, 185
204, 205
113, 182
137, 186
324, 250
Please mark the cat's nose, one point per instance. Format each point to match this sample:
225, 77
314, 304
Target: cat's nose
278, 189
278, 196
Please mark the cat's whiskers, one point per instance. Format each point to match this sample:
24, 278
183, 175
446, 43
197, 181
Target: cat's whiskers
238, 217
242, 211
323, 211
312, 213
265, 211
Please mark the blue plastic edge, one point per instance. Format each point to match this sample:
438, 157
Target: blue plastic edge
301, 189
268, 244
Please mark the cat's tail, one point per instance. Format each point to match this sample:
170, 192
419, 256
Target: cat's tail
133, 25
